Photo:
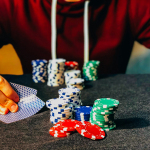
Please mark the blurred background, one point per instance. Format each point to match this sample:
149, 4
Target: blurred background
139, 62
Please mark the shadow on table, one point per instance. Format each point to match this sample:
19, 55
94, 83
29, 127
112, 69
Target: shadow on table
131, 123
43, 109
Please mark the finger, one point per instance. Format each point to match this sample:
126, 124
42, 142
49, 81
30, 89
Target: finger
8, 103
8, 90
3, 110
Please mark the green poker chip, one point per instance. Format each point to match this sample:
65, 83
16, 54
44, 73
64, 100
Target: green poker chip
110, 127
97, 108
100, 117
90, 72
105, 127
106, 103
92, 63
102, 113
102, 122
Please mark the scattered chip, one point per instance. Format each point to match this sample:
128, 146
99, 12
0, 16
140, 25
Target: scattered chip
89, 130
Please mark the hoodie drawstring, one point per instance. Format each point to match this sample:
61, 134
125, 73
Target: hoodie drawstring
54, 30
86, 32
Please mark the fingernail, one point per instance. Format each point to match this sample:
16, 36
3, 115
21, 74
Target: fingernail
14, 108
4, 111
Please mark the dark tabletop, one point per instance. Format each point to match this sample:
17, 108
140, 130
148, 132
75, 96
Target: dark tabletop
132, 117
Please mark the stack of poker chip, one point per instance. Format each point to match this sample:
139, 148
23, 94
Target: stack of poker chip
60, 110
82, 113
39, 72
56, 69
71, 95
72, 74
102, 113
71, 65
76, 83
90, 70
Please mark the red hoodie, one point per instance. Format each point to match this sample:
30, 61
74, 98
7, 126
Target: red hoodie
114, 25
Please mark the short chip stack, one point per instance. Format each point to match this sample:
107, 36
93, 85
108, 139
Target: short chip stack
56, 68
71, 65
71, 74
90, 70
39, 72
59, 110
71, 95
102, 113
82, 113
76, 83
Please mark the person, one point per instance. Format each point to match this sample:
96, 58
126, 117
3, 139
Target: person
113, 26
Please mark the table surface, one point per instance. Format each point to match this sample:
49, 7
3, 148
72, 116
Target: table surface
132, 117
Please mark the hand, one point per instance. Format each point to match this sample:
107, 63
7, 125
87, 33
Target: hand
8, 97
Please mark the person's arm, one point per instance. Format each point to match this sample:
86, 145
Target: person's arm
5, 13
8, 97
139, 15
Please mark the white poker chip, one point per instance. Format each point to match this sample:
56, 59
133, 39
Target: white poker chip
76, 81
69, 91
72, 72
56, 69
59, 60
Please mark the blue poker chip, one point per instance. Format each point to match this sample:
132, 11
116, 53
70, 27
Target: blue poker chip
82, 119
38, 62
83, 109
80, 115
39, 72
79, 118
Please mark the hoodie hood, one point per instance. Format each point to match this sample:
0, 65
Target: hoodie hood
74, 8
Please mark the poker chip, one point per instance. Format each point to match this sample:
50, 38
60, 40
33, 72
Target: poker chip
106, 103
102, 113
39, 71
57, 132
86, 129
82, 113
60, 109
76, 83
89, 130
67, 125
56, 68
70, 74
71, 65
71, 95
90, 70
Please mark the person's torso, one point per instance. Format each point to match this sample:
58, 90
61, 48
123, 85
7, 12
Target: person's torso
110, 38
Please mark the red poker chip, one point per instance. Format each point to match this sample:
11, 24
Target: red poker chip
67, 125
57, 132
71, 64
89, 130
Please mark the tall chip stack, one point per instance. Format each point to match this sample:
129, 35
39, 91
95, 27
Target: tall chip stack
102, 113
90, 70
39, 71
72, 95
56, 68
72, 74
60, 109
